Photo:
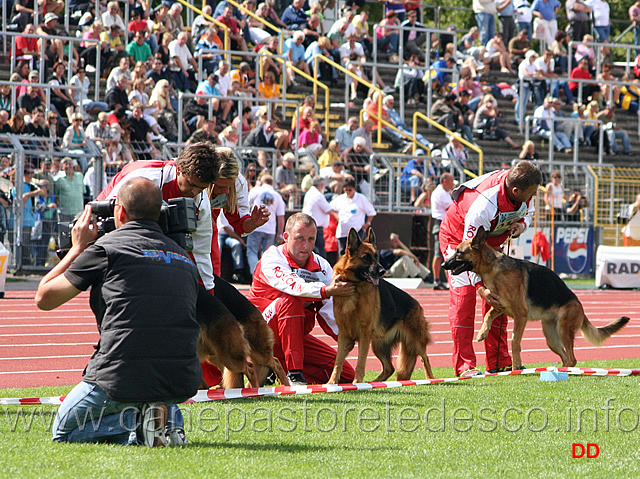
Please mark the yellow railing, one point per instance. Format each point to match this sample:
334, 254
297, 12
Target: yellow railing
391, 126
480, 153
227, 43
316, 83
354, 77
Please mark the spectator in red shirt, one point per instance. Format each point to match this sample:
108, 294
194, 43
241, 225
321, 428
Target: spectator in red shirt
27, 47
237, 40
590, 91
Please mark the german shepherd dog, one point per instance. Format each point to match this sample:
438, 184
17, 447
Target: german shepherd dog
231, 331
377, 314
529, 292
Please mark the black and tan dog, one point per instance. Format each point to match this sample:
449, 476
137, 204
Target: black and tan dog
231, 331
529, 292
377, 313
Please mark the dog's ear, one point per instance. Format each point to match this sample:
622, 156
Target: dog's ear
371, 236
480, 238
353, 241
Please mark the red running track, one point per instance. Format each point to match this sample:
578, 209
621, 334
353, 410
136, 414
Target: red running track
50, 348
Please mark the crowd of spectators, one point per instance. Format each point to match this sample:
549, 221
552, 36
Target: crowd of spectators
152, 60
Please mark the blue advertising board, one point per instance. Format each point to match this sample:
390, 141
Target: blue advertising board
573, 250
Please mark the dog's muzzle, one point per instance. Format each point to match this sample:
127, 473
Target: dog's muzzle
457, 266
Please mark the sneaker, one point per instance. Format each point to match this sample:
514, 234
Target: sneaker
503, 369
153, 423
176, 437
388, 89
296, 378
440, 286
469, 373
270, 380
90, 69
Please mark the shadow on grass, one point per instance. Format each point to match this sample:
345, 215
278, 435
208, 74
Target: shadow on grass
294, 448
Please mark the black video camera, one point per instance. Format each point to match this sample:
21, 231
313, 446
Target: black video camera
177, 221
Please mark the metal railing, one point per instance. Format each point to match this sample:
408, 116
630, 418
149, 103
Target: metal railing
382, 122
354, 77
576, 144
445, 130
250, 54
598, 53
45, 86
240, 99
227, 44
42, 69
427, 55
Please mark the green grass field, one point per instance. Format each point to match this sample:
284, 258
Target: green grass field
515, 426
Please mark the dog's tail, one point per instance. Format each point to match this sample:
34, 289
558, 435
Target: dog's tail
597, 336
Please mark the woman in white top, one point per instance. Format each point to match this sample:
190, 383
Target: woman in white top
354, 211
91, 107
554, 195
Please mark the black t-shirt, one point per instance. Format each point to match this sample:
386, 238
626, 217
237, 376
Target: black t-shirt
139, 129
37, 130
193, 109
87, 269
28, 102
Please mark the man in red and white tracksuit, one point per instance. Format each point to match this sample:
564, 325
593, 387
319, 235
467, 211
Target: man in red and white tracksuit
502, 203
187, 176
293, 286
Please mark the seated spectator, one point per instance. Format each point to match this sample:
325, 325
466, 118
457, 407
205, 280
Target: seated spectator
269, 14
410, 78
17, 123
112, 16
267, 63
335, 176
4, 124
123, 68
445, 112
455, 152
21, 13
259, 31
244, 122
208, 41
195, 113
583, 50
560, 54
167, 116
387, 38
356, 161
412, 177
61, 97
117, 96
37, 127
140, 135
269, 88
235, 34
294, 16
345, 134
294, 50
629, 93
610, 93
532, 82
542, 126
442, 76
414, 39
574, 206
54, 47
387, 134
82, 96
228, 237
400, 262
519, 46
182, 64
498, 54
228, 137
486, 123
245, 76
111, 39
174, 21
107, 139
5, 98
328, 73
388, 103
139, 50
26, 48
74, 139
311, 30
29, 101
206, 133
528, 151
262, 136
614, 132
285, 181
311, 140
330, 155
158, 71
223, 107
589, 90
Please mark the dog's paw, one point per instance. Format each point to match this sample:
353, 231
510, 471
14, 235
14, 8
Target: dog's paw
482, 335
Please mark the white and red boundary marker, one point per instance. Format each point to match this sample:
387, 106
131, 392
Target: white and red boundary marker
219, 394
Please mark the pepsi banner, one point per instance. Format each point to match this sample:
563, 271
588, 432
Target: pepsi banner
573, 250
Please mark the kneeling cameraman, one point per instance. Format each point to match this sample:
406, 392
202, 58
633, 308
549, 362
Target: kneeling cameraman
143, 294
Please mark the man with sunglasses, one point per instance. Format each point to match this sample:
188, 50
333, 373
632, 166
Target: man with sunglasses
188, 176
